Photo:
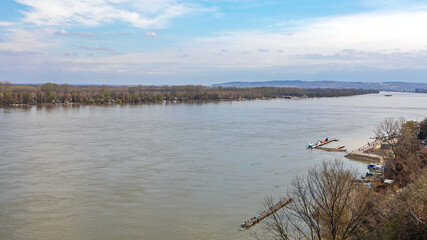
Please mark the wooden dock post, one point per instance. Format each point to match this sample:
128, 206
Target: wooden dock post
249, 223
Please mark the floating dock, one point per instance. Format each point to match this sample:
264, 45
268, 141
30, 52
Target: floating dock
325, 142
249, 223
337, 149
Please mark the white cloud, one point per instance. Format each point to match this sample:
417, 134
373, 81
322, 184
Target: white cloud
6, 24
396, 4
151, 34
19, 53
70, 54
23, 40
382, 40
80, 34
62, 32
139, 13
370, 33
97, 48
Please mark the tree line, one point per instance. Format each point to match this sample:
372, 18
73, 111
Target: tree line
329, 203
421, 90
65, 93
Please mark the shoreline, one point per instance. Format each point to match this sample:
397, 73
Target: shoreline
362, 153
364, 157
178, 101
50, 93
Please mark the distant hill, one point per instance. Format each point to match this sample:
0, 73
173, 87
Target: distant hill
381, 86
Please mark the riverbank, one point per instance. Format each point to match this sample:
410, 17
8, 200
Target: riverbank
368, 152
53, 94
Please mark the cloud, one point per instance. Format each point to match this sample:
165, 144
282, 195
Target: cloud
396, 4
117, 53
97, 48
385, 59
62, 32
24, 40
19, 53
142, 14
70, 54
381, 40
80, 34
6, 24
322, 41
151, 34
118, 33
365, 41
85, 34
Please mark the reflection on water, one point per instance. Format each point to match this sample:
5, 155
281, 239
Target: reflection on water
171, 171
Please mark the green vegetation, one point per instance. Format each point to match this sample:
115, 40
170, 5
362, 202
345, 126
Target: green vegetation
54, 93
329, 203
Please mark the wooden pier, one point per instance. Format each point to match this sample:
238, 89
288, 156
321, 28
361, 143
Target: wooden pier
249, 223
337, 149
319, 145
325, 142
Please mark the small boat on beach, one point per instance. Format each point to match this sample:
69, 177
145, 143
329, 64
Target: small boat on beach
376, 166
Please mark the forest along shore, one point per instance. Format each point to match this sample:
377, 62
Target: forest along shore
54, 93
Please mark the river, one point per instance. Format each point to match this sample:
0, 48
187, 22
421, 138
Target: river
169, 171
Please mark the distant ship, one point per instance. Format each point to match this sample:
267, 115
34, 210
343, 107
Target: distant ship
388, 95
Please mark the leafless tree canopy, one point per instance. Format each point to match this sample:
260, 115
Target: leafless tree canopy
405, 163
276, 226
389, 130
327, 203
49, 92
403, 214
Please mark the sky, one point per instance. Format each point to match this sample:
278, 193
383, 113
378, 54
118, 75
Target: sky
173, 42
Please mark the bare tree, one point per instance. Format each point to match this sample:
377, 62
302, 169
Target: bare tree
327, 203
405, 164
403, 214
389, 130
275, 227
